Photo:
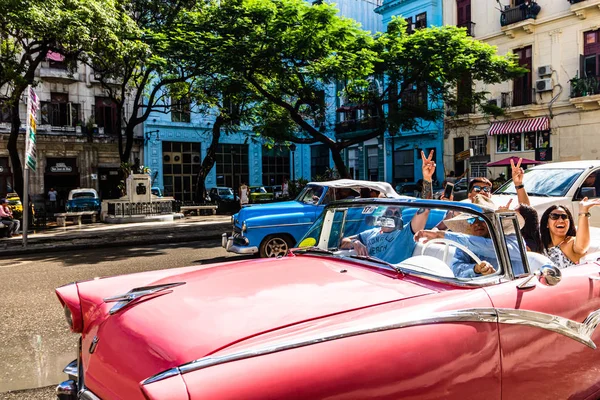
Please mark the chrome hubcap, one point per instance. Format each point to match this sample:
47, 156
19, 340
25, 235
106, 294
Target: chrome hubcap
276, 247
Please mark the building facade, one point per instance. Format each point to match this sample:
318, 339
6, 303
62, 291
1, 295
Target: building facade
76, 135
176, 143
552, 112
403, 150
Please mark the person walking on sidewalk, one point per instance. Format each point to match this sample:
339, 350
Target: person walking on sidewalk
244, 194
6, 218
52, 199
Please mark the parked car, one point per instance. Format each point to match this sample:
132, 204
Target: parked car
156, 191
564, 183
83, 200
225, 198
324, 323
271, 229
259, 194
14, 203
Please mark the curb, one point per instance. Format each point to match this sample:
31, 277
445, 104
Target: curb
103, 243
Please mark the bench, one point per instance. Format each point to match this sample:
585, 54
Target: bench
61, 218
212, 208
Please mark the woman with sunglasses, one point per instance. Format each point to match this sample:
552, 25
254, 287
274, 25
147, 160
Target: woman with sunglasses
564, 244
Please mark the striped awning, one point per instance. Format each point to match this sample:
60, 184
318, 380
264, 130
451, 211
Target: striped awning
520, 126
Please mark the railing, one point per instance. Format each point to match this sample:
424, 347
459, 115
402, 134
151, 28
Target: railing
128, 209
585, 86
470, 26
355, 125
511, 15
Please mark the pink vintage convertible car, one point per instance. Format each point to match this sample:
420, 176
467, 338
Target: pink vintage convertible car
410, 320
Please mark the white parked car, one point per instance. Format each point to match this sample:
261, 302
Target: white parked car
560, 183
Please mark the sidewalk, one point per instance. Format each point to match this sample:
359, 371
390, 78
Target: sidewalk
73, 237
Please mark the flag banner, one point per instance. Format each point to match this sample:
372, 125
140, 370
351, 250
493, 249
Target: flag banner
30, 144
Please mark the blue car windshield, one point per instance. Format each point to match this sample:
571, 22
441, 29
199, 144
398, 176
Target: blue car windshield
310, 194
84, 195
545, 182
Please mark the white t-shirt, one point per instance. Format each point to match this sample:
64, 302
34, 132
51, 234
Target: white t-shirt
52, 195
244, 194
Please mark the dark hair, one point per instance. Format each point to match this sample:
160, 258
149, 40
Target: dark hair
546, 238
531, 228
478, 179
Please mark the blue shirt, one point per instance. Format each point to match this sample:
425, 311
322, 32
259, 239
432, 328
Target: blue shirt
462, 265
393, 247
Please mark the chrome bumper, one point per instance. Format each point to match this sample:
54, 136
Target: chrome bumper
74, 389
227, 244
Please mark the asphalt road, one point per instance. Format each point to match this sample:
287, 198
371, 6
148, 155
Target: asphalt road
35, 343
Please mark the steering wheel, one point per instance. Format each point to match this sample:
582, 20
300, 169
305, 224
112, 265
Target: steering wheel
449, 242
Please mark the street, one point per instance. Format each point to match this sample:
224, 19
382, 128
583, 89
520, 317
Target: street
36, 343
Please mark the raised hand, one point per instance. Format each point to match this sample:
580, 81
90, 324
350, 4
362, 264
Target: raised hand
428, 235
517, 172
586, 204
506, 207
428, 167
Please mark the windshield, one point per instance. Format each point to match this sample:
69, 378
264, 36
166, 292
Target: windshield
84, 195
225, 192
544, 182
310, 194
403, 238
258, 190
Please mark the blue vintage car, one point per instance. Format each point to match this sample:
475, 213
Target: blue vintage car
83, 200
272, 229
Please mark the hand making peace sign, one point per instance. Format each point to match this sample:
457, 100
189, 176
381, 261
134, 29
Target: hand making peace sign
428, 166
517, 172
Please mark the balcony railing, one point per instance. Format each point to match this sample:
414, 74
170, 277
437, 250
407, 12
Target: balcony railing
585, 86
512, 15
470, 27
356, 125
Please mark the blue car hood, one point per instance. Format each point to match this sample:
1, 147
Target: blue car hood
285, 207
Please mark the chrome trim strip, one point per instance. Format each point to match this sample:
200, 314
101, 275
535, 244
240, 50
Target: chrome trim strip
580, 332
93, 345
137, 293
278, 226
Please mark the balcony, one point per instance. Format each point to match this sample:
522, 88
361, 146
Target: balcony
580, 7
470, 26
519, 17
57, 75
356, 127
585, 93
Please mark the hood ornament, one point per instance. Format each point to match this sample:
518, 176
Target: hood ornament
137, 293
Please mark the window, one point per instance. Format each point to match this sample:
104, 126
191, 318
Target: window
4, 112
373, 163
478, 144
414, 95
522, 86
404, 165
421, 21
181, 164
353, 163
409, 25
463, 9
590, 65
106, 114
528, 141
232, 165
478, 169
59, 111
275, 164
319, 160
180, 109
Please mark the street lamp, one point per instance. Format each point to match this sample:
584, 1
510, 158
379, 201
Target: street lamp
392, 135
293, 150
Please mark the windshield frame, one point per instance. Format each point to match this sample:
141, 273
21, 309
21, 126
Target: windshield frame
508, 188
492, 219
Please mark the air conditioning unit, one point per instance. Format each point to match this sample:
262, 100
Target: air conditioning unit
544, 70
493, 102
543, 85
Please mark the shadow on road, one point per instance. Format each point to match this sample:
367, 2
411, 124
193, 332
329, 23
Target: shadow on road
71, 258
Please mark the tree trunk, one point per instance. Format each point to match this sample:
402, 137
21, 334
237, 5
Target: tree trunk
15, 160
126, 155
336, 154
209, 160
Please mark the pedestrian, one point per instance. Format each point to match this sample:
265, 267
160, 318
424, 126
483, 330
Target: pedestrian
52, 194
243, 192
285, 190
6, 218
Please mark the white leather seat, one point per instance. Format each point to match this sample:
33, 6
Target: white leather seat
431, 262
435, 250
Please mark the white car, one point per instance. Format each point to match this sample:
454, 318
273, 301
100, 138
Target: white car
560, 183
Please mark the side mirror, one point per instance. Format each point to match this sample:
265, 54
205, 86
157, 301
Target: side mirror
549, 275
589, 192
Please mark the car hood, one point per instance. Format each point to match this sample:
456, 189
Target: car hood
220, 306
272, 208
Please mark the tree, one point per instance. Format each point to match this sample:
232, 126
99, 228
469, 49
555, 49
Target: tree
293, 54
28, 31
149, 70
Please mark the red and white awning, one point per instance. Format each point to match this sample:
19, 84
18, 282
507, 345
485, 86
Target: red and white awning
520, 126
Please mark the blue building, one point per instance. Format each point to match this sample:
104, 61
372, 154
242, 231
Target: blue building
406, 146
176, 142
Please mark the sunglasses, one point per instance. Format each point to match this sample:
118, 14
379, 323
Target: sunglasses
555, 216
478, 189
393, 214
472, 220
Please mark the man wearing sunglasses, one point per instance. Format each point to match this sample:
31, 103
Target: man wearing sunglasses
480, 185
